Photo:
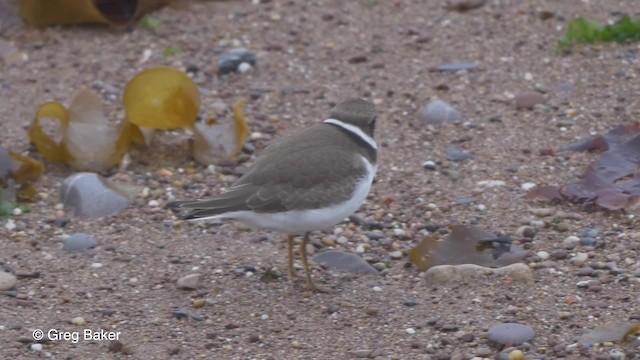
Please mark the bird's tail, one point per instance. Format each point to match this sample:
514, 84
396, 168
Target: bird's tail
204, 209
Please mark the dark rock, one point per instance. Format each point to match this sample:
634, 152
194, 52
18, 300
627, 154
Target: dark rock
230, 60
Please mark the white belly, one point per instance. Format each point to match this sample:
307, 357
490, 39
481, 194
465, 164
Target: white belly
301, 221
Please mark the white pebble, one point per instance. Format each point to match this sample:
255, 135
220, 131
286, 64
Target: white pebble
146, 54
481, 207
430, 165
153, 203
264, 317
377, 288
211, 169
490, 183
17, 211
528, 76
96, 265
570, 241
398, 232
527, 186
410, 331
36, 347
244, 67
10, 225
360, 249
579, 259
543, 255
342, 240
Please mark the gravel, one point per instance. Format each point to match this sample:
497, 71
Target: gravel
309, 56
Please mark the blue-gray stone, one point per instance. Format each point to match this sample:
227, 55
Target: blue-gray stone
455, 67
439, 112
91, 195
511, 334
455, 154
79, 241
340, 260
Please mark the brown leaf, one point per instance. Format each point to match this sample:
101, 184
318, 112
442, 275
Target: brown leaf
546, 192
465, 244
590, 143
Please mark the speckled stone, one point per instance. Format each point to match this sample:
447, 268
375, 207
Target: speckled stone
510, 333
7, 281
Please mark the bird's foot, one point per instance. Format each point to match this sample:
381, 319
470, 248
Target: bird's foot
317, 288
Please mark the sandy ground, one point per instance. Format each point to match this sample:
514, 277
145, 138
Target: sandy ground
304, 50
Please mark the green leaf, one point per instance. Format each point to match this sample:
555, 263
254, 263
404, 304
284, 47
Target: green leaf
150, 23
7, 207
170, 51
585, 31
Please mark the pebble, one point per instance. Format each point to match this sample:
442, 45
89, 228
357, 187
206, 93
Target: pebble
10, 225
396, 254
296, 344
189, 282
362, 353
429, 165
585, 271
456, 154
439, 112
562, 227
527, 232
617, 355
590, 233
570, 242
483, 351
7, 281
543, 255
564, 315
180, 314
443, 274
78, 321
455, 67
510, 333
527, 186
558, 254
516, 355
410, 331
198, 303
78, 241
410, 303
91, 195
579, 259
231, 61
36, 347
377, 289
528, 100
488, 184
344, 261
342, 240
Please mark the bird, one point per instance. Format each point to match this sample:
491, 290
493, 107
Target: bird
308, 181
